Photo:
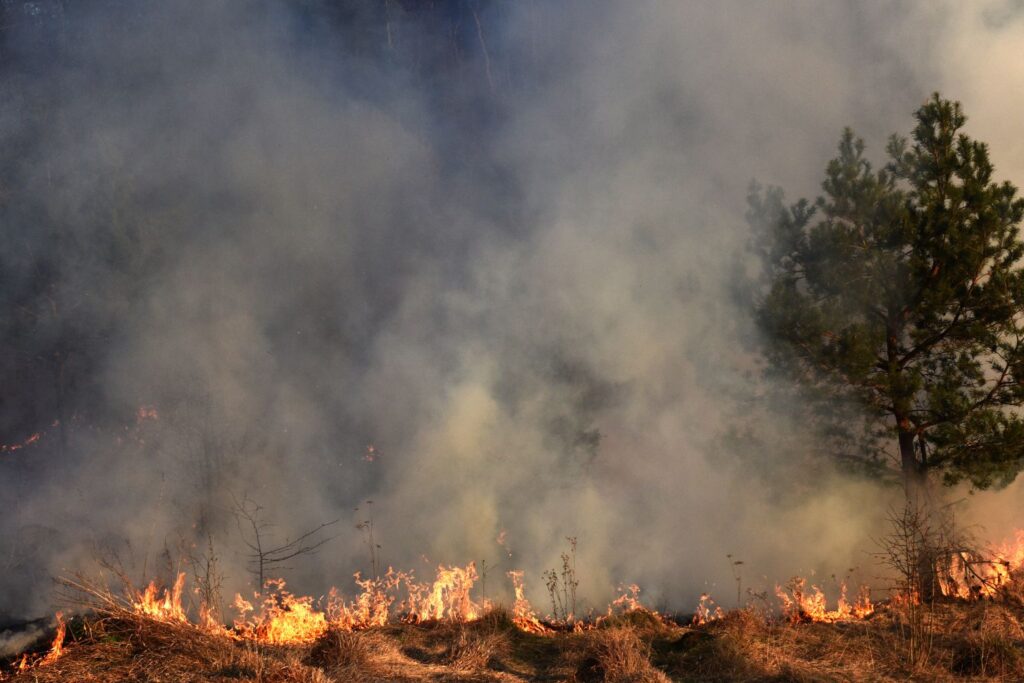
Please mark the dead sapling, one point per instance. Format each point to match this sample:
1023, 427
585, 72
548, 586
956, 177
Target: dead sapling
737, 575
562, 586
483, 583
264, 555
366, 527
208, 578
914, 549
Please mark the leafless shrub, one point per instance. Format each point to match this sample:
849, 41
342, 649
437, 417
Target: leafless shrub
264, 555
207, 577
562, 587
912, 549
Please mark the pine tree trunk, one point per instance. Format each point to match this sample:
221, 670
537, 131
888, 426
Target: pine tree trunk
915, 488
913, 474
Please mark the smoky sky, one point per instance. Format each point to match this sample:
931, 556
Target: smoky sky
497, 241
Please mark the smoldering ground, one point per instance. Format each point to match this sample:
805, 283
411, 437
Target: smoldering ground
499, 242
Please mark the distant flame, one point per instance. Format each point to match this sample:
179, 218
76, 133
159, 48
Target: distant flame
10, 448
146, 413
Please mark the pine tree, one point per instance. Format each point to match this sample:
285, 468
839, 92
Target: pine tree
901, 289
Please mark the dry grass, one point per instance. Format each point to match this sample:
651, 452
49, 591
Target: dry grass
977, 641
617, 655
474, 650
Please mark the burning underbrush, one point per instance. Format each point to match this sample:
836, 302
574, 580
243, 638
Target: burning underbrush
399, 628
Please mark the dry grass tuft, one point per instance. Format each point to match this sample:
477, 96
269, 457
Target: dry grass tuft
986, 641
617, 655
341, 649
640, 619
496, 619
474, 649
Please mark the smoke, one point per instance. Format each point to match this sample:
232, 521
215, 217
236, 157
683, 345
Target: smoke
504, 257
14, 642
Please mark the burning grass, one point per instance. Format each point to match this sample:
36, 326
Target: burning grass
979, 640
400, 629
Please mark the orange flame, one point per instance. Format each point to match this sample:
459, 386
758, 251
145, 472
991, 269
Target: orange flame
447, 598
10, 448
629, 601
969, 576
284, 617
165, 606
146, 413
707, 611
57, 647
522, 613
370, 608
800, 605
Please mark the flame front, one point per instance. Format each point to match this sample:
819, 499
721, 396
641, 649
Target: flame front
447, 598
968, 576
165, 606
798, 604
284, 618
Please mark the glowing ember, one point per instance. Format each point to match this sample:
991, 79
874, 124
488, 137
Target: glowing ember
146, 413
502, 540
10, 448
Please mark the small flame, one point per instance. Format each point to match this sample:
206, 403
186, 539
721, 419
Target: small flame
10, 448
57, 647
707, 611
502, 541
146, 413
522, 613
163, 606
799, 604
628, 601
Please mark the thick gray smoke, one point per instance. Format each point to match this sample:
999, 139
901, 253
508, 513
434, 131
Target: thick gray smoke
515, 279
